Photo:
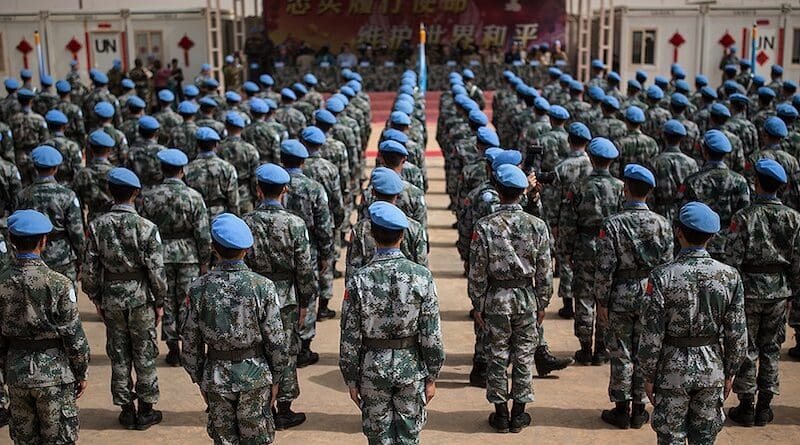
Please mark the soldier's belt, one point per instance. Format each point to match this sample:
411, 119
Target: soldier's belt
55, 236
589, 230
125, 276
236, 355
216, 203
26, 344
390, 343
631, 274
770, 269
510, 284
690, 342
279, 276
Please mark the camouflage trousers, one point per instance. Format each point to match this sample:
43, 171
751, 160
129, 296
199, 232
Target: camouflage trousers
585, 302
69, 271
510, 339
394, 415
179, 278
480, 354
696, 415
622, 341
3, 393
241, 417
309, 329
564, 277
794, 317
245, 200
131, 344
766, 331
46, 415
288, 388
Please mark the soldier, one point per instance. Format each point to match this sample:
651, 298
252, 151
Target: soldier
66, 241
774, 132
127, 90
123, 275
415, 155
45, 99
554, 142
104, 113
136, 109
182, 220
9, 105
671, 168
391, 349
243, 157
609, 126
281, 252
233, 102
536, 127
633, 95
340, 147
166, 116
250, 90
411, 200
655, 115
215, 178
313, 96
79, 90
142, 158
766, 108
205, 74
190, 93
788, 114
233, 323
182, 136
29, 130
90, 182
292, 118
631, 244
708, 96
307, 198
718, 116
44, 352
267, 82
233, 73
588, 202
598, 69
694, 335
208, 108
10, 186
510, 284
141, 78
394, 155
776, 78
301, 104
473, 174
265, 137
635, 147
69, 149
578, 108
101, 94
115, 76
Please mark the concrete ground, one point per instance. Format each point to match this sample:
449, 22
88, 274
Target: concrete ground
566, 410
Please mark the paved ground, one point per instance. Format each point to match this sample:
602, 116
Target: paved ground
566, 410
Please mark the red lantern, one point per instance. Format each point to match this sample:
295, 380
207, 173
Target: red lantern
185, 43
24, 47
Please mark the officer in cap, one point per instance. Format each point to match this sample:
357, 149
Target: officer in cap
215, 178
671, 168
90, 181
635, 147
143, 159
243, 156
166, 116
57, 123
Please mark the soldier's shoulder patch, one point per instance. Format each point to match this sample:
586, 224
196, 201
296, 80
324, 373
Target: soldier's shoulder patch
158, 236
3, 247
76, 202
487, 196
733, 226
570, 196
748, 165
682, 188
649, 289
346, 296
474, 235
72, 296
602, 234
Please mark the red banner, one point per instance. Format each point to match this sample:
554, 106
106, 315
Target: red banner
390, 22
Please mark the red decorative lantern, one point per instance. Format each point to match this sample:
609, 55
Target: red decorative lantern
676, 41
185, 43
24, 47
74, 46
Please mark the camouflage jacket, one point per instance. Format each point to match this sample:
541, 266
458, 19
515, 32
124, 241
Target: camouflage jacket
391, 297
571, 169
362, 246
130, 128
182, 220
227, 309
143, 160
93, 98
37, 303
327, 174
245, 160
671, 168
790, 195
579, 110
336, 153
210, 122
91, 187
9, 106
692, 296
121, 151
555, 146
7, 143
736, 158
44, 102
29, 129
182, 137
122, 242
305, 108
635, 148
610, 128
266, 140
745, 129
10, 186
691, 143
411, 201
586, 205
654, 119
293, 119
215, 179
631, 243
168, 119
307, 199
532, 131
72, 154
510, 245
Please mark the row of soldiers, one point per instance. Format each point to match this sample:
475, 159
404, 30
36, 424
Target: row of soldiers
607, 243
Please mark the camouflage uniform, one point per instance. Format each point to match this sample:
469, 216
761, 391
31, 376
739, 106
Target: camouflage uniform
631, 244
745, 129
182, 137
101, 95
691, 142
233, 74
555, 147
232, 308
10, 186
120, 154
671, 168
610, 128
215, 179
143, 160
654, 119
130, 128
210, 122
65, 244
336, 152
533, 130
266, 140
72, 154
791, 193
44, 102
168, 119
362, 246
9, 106
635, 148
39, 305
123, 274
91, 187
692, 296
29, 130
510, 280
244, 158
182, 220
411, 201
292, 119
6, 142
391, 298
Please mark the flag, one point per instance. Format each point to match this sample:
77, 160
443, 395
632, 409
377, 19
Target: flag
423, 66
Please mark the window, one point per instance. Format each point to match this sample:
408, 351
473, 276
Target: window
2, 56
643, 47
796, 47
148, 44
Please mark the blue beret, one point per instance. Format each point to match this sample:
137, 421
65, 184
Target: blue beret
299, 88
786, 110
774, 126
187, 107
731, 86
208, 102
46, 80
288, 94
511, 157
487, 136
633, 83
678, 73
511, 176
772, 169
403, 106
678, 100
173, 157
796, 101
406, 89
790, 85
271, 104
46, 156
460, 83
11, 83
508, 74
148, 123
205, 67
758, 80
313, 135
675, 127
613, 76
634, 115
295, 148
733, 49
258, 105
553, 71
104, 109
347, 73
166, 95
388, 216
682, 86
611, 101
191, 91
324, 117
233, 96
234, 119
93, 72
272, 174
641, 76
655, 92
392, 147
386, 181
709, 92
661, 81
739, 98
639, 173
766, 92
598, 64
718, 109
229, 58
395, 135
29, 223
266, 79
716, 141
565, 78
251, 87
100, 78
530, 91
58, 118
310, 79
580, 130
603, 148
700, 80
576, 86
334, 105
745, 62
25, 93
210, 82
596, 93
477, 117
558, 112
231, 232
123, 176
490, 154
347, 91
468, 74
135, 102
776, 70
399, 118
62, 86
206, 134
127, 84
730, 69
699, 217
541, 104
100, 138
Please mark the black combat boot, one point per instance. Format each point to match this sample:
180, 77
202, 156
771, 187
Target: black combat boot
568, 311
639, 416
5, 417
323, 313
306, 356
174, 354
519, 418
764, 414
584, 355
745, 413
147, 416
127, 417
794, 351
499, 418
546, 362
286, 418
600, 353
620, 416
477, 377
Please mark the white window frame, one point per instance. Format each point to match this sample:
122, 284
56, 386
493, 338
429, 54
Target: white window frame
644, 32
795, 46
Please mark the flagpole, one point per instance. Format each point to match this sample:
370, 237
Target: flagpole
753, 49
38, 43
423, 67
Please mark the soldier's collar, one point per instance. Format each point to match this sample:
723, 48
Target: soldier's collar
314, 154
600, 172
509, 206
58, 133
635, 205
206, 154
173, 180
715, 164
231, 265
673, 148
386, 251
123, 208
577, 153
42, 179
271, 203
294, 170
694, 251
766, 198
100, 159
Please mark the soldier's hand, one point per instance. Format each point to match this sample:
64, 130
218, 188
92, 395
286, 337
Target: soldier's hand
602, 314
728, 387
479, 319
430, 392
648, 389
302, 320
274, 397
355, 396
203, 269
99, 311
539, 317
80, 388
159, 315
